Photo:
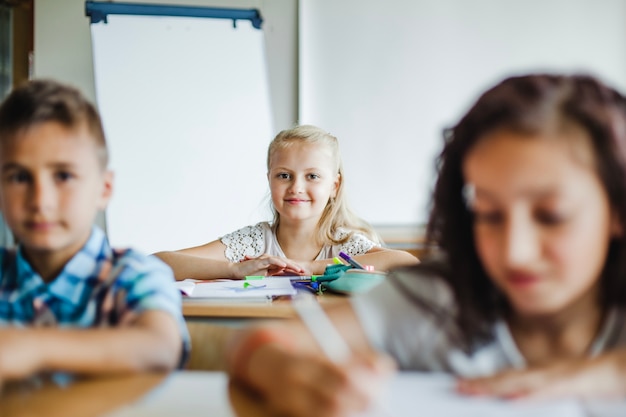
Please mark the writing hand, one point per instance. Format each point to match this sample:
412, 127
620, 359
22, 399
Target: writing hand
600, 377
312, 386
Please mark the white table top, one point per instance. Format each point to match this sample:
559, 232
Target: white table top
410, 394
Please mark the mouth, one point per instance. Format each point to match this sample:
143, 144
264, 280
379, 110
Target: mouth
296, 201
523, 280
40, 226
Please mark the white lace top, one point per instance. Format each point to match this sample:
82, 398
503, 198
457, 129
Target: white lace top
254, 241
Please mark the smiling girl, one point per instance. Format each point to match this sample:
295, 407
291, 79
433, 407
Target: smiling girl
312, 222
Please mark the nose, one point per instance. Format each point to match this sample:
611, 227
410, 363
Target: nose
521, 244
41, 195
297, 185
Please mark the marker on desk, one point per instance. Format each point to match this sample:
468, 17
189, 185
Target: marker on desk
247, 285
291, 277
351, 261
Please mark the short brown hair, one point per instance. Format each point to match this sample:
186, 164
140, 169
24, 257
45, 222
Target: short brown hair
39, 101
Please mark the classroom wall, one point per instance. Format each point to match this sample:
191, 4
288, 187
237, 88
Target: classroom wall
63, 47
387, 76
62, 44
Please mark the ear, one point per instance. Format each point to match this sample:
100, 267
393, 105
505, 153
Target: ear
617, 230
107, 189
336, 185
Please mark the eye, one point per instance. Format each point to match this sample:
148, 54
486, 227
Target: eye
63, 176
488, 217
283, 176
549, 218
313, 176
18, 177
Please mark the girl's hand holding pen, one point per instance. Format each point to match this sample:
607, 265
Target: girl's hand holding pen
310, 385
305, 368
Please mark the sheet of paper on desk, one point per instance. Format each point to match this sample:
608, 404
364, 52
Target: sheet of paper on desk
410, 394
237, 289
433, 395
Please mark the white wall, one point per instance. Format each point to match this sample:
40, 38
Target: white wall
62, 44
386, 76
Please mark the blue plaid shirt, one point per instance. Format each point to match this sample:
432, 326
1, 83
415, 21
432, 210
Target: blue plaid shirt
98, 287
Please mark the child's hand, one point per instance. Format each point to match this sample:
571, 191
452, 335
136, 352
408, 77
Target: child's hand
600, 377
305, 385
266, 265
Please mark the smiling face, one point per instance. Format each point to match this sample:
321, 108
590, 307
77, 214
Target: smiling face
52, 184
542, 219
302, 178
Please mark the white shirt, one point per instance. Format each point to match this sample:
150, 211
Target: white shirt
419, 340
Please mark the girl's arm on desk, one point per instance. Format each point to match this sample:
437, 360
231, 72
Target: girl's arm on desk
208, 262
381, 259
603, 376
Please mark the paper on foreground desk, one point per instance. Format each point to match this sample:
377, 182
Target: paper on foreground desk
237, 290
206, 394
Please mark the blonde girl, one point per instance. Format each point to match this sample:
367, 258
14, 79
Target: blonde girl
312, 222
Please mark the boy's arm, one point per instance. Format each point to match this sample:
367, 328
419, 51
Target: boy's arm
151, 342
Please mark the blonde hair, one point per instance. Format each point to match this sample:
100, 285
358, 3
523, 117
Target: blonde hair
336, 214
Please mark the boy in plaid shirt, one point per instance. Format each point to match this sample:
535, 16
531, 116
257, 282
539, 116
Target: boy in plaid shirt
68, 301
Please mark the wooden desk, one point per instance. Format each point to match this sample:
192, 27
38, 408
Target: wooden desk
209, 323
85, 398
195, 394
183, 393
277, 309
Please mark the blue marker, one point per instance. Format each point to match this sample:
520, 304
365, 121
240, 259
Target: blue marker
351, 261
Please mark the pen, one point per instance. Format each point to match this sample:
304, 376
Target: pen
327, 336
351, 261
291, 277
321, 328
